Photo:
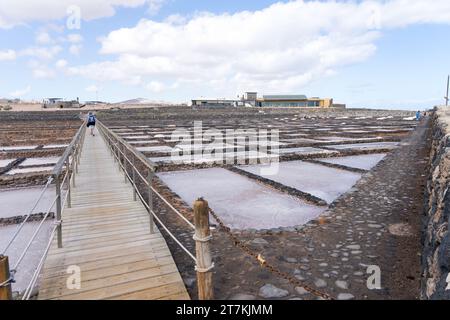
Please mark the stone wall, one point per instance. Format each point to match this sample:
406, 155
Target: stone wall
436, 237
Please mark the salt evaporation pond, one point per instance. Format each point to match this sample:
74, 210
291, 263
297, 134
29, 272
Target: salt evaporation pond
216, 157
6, 162
30, 170
303, 150
138, 137
320, 181
339, 139
143, 142
155, 149
15, 148
55, 146
31, 259
365, 162
301, 140
18, 202
366, 146
241, 202
39, 161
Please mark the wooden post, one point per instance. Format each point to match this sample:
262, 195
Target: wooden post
58, 210
5, 291
202, 238
150, 199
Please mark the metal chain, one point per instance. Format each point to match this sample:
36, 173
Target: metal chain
260, 259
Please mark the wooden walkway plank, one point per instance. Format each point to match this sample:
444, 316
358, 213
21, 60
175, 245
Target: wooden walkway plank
107, 235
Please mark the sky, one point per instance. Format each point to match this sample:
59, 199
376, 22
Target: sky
375, 54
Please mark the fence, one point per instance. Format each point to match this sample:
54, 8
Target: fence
126, 156
63, 176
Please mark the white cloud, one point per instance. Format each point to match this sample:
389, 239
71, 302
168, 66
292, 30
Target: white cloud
44, 53
92, 88
43, 72
14, 12
278, 49
156, 86
61, 63
75, 38
43, 37
75, 49
7, 55
20, 92
154, 6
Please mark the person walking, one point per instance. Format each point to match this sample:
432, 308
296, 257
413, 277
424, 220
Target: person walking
91, 122
418, 115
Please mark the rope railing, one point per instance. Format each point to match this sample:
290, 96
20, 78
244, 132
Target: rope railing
33, 237
154, 190
67, 164
27, 293
167, 230
19, 228
152, 167
114, 147
202, 235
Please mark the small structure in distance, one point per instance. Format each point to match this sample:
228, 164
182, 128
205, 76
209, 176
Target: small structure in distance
250, 99
59, 103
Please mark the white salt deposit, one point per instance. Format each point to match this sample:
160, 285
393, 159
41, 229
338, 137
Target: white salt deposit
39, 161
261, 143
303, 150
132, 134
6, 162
54, 146
365, 162
218, 158
366, 146
29, 170
18, 202
301, 140
143, 142
138, 137
320, 181
296, 134
206, 146
154, 149
14, 148
339, 139
239, 201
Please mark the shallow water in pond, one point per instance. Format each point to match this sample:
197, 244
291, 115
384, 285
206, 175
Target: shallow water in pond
241, 202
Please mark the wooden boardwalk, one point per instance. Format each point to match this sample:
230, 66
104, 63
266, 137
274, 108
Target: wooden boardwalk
107, 235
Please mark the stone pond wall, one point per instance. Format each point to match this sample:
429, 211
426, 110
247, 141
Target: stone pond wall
436, 237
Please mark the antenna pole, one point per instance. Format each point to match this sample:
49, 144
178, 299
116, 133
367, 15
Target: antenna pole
448, 86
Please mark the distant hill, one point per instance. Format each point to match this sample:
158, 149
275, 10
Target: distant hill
144, 101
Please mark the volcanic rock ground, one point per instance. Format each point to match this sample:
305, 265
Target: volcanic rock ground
378, 223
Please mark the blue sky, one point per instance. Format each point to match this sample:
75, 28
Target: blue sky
366, 54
